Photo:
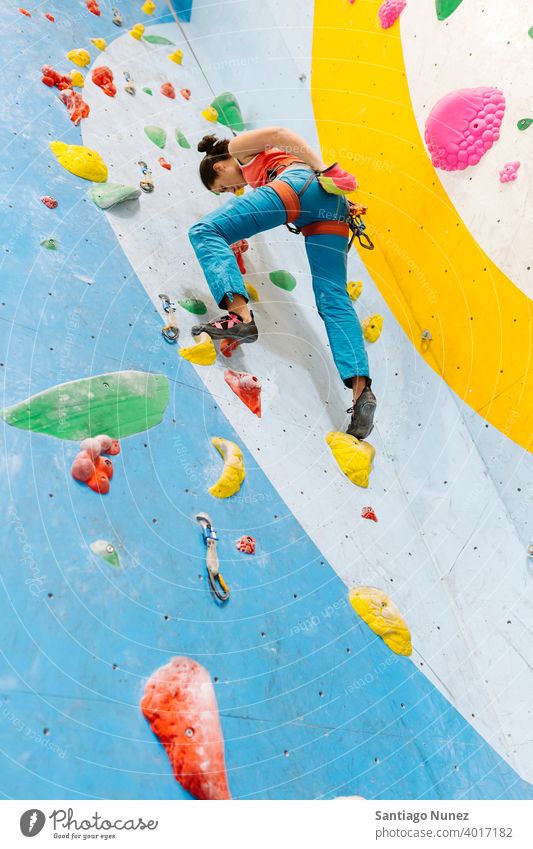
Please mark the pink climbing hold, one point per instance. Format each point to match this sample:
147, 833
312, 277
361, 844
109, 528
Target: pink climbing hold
509, 172
390, 11
83, 467
48, 201
108, 445
168, 90
463, 125
186, 93
246, 544
368, 513
90, 467
52, 78
103, 78
247, 387
75, 104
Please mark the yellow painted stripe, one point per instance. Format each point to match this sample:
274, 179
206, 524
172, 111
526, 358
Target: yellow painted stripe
428, 267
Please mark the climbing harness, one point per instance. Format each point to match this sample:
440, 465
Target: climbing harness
351, 223
171, 330
216, 581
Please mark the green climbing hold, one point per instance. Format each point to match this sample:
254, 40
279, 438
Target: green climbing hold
50, 244
157, 135
106, 195
107, 551
182, 139
147, 90
445, 8
119, 404
229, 112
193, 305
157, 39
524, 123
530, 32
283, 279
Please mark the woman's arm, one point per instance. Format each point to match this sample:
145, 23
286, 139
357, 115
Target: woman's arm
245, 146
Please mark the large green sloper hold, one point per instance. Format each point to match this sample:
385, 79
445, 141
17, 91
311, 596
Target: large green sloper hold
445, 8
119, 404
283, 280
157, 135
229, 112
106, 195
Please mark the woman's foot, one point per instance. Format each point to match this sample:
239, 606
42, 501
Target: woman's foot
363, 410
230, 326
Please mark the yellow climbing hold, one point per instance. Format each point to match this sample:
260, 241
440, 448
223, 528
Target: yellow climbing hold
80, 57
176, 57
148, 8
81, 161
383, 617
252, 292
354, 289
137, 31
101, 43
210, 114
78, 80
372, 327
353, 456
233, 472
201, 354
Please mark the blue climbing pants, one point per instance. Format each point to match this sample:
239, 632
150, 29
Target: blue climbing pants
261, 210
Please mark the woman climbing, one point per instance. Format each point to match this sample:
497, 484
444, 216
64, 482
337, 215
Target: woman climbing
291, 185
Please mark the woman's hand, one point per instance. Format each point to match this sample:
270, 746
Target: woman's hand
336, 180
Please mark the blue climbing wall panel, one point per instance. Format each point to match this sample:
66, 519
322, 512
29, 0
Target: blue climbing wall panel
312, 703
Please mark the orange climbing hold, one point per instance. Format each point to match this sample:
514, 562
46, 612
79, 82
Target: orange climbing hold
24, 12
92, 6
186, 93
168, 90
247, 387
368, 513
246, 544
49, 17
180, 704
90, 467
164, 164
103, 78
75, 104
48, 201
52, 78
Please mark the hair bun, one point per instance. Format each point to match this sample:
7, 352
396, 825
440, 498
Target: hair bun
207, 144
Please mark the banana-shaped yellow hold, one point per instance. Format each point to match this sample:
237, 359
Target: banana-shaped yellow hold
427, 265
233, 473
253, 294
383, 617
203, 353
81, 161
353, 456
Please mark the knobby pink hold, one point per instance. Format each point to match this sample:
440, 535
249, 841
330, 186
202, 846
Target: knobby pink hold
168, 90
75, 104
509, 172
368, 513
247, 387
463, 125
48, 201
246, 544
103, 78
390, 11
90, 467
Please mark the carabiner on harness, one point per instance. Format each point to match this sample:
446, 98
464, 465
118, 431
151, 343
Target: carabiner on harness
358, 227
216, 581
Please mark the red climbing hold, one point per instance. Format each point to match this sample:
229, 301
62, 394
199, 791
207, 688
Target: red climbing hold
108, 445
49, 17
247, 387
24, 12
164, 164
368, 513
186, 93
99, 482
48, 201
238, 249
168, 90
92, 6
83, 467
104, 464
75, 104
103, 77
246, 544
52, 78
228, 346
180, 704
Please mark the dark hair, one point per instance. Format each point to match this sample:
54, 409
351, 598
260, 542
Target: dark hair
216, 150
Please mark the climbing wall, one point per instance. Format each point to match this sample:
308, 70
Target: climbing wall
101, 591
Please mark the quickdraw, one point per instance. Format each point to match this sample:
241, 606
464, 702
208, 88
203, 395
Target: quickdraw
171, 330
216, 581
357, 226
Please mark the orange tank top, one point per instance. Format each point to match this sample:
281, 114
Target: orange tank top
265, 166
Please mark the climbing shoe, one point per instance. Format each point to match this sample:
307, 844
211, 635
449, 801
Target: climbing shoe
362, 421
229, 326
